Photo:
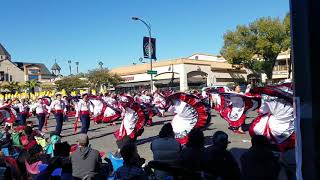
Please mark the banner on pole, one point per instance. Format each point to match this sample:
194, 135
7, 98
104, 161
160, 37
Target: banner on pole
146, 47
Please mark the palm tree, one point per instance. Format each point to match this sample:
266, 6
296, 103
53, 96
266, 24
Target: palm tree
32, 85
11, 86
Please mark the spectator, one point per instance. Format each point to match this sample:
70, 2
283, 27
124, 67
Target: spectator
86, 162
131, 168
219, 161
5, 170
259, 162
62, 160
165, 148
192, 157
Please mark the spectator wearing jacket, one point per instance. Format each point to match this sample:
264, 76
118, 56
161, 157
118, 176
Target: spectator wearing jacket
165, 148
259, 162
219, 161
86, 162
132, 165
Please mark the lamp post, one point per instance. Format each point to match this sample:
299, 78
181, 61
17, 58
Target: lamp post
69, 66
149, 49
77, 64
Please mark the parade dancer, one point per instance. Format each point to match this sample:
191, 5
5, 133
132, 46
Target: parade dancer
103, 112
216, 99
159, 102
276, 120
7, 114
23, 111
41, 110
83, 112
66, 102
189, 112
234, 109
133, 120
58, 108
146, 102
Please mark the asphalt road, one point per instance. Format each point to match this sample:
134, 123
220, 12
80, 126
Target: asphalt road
102, 138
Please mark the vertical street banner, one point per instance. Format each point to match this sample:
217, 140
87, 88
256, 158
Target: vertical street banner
146, 47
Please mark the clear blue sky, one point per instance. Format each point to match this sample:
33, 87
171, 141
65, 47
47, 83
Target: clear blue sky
89, 31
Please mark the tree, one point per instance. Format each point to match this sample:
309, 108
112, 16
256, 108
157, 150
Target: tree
102, 76
257, 45
31, 85
12, 86
71, 83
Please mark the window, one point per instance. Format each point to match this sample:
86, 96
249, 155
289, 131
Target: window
33, 77
6, 77
1, 75
10, 78
34, 71
196, 57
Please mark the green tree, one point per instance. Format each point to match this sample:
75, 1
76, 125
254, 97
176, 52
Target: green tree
12, 86
102, 76
257, 45
31, 85
71, 83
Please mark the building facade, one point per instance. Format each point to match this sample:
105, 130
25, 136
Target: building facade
21, 71
193, 72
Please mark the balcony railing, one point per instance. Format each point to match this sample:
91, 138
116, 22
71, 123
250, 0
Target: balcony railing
280, 68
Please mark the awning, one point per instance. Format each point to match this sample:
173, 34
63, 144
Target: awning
165, 81
147, 83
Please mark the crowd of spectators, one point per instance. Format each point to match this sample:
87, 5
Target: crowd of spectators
25, 154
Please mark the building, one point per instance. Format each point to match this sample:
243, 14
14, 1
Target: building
193, 72
21, 71
282, 67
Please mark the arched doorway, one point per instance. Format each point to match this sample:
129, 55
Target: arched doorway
197, 79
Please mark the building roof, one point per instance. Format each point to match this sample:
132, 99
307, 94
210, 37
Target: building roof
3, 51
142, 68
55, 66
43, 69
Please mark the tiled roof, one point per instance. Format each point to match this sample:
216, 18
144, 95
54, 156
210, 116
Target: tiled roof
3, 51
55, 67
44, 70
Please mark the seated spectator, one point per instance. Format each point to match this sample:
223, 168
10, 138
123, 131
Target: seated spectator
131, 168
28, 140
192, 156
165, 148
219, 161
36, 154
5, 170
61, 160
259, 162
86, 162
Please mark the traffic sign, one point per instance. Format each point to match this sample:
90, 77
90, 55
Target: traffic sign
151, 72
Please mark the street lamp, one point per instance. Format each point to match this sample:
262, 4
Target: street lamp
69, 66
100, 64
149, 49
77, 64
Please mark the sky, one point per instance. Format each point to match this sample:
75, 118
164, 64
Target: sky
89, 31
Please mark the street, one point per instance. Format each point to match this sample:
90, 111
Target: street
102, 138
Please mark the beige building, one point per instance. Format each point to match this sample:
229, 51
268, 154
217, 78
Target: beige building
193, 72
281, 68
21, 71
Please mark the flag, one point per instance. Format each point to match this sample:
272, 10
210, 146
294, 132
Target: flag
146, 47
